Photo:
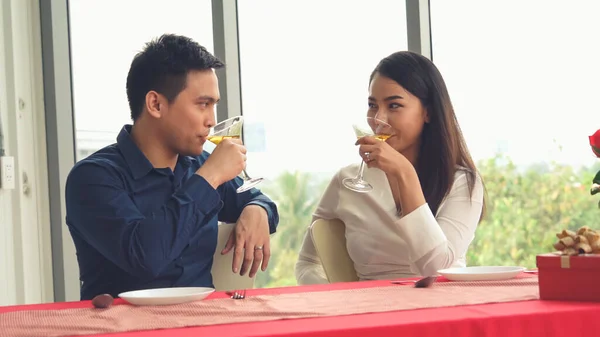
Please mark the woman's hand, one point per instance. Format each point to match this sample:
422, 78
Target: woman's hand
392, 162
379, 154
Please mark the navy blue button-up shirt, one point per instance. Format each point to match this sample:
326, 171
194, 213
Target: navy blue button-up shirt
139, 227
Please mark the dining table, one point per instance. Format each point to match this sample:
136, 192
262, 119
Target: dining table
367, 308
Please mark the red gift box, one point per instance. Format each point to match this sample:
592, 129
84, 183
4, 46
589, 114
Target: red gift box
569, 278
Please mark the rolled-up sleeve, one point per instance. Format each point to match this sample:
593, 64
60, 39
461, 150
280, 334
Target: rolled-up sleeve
234, 203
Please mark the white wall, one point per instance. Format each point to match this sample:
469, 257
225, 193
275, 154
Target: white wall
25, 254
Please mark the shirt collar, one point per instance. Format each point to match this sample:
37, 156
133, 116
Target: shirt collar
136, 159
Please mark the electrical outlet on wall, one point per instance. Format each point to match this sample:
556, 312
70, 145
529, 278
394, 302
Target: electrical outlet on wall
7, 173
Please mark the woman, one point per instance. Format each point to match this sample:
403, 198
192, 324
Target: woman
427, 198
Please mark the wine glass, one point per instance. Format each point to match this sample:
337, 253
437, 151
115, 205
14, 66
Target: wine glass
232, 129
369, 127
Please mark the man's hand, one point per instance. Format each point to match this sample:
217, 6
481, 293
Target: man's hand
251, 241
226, 162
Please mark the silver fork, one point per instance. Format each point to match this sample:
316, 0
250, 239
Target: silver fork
239, 295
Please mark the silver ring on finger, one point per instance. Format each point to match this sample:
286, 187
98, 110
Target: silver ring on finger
368, 155
258, 248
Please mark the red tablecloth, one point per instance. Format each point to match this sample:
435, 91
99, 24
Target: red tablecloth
527, 319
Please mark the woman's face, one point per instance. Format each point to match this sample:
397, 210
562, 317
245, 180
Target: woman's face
391, 103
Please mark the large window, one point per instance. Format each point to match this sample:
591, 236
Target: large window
304, 74
523, 79
105, 36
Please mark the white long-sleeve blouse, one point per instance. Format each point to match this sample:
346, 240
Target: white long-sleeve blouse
382, 244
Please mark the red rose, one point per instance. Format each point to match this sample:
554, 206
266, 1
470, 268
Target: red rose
595, 143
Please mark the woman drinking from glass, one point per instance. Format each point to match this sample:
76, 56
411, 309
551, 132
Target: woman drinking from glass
426, 197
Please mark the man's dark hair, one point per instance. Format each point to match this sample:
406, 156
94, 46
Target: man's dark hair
162, 66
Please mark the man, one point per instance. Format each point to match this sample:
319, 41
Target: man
143, 212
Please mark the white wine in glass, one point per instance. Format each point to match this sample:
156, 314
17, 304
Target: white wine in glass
218, 139
374, 128
382, 138
232, 129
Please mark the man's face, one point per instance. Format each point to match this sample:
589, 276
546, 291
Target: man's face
190, 116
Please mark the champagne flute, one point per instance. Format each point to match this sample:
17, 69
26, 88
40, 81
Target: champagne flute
378, 129
232, 129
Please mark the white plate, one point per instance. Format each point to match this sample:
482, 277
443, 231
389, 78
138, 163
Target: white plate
166, 296
495, 273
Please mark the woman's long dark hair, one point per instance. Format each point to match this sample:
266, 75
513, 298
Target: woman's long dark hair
443, 147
